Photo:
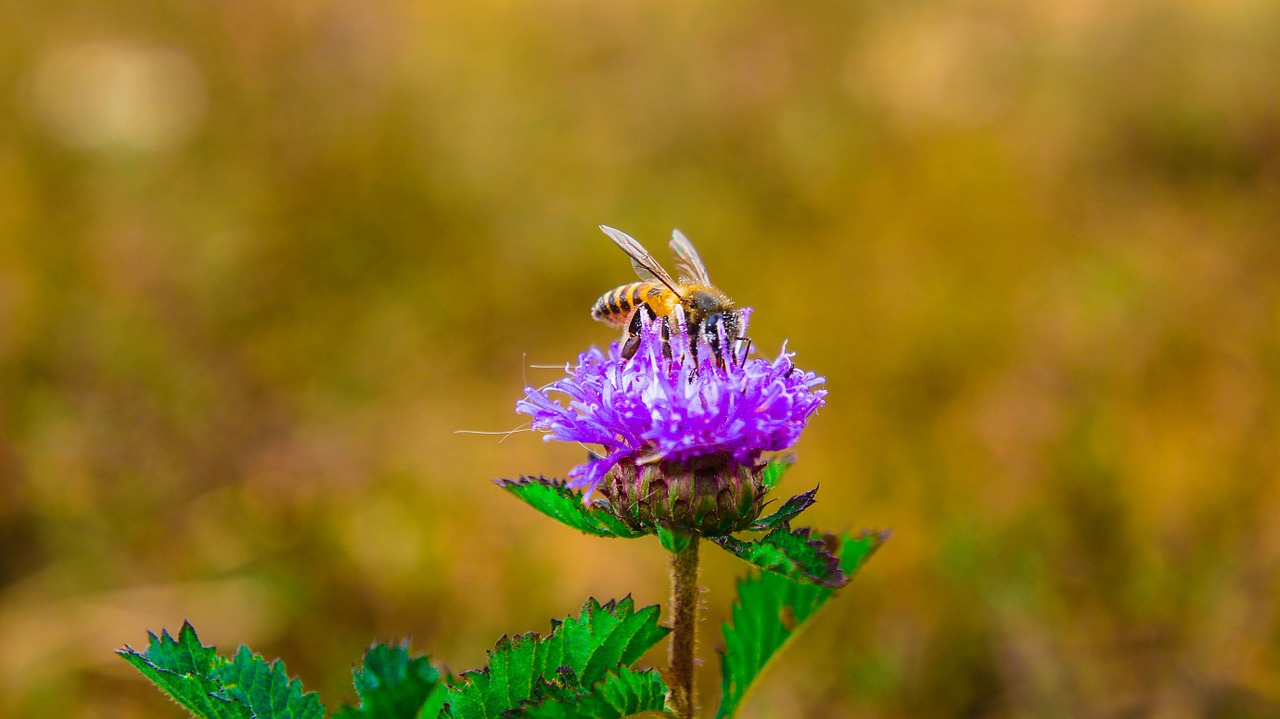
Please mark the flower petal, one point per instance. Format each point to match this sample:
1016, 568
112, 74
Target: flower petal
673, 402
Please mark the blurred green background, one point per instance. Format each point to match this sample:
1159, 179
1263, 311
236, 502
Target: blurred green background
260, 260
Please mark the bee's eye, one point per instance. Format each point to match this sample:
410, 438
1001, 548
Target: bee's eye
711, 331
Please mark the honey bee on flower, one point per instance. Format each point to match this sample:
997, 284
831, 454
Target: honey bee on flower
708, 312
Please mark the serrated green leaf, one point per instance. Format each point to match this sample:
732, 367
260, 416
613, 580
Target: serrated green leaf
266, 689
434, 707
674, 540
393, 685
621, 693
773, 471
793, 554
557, 501
213, 687
769, 611
608, 636
508, 679
183, 669
788, 511
579, 652
561, 686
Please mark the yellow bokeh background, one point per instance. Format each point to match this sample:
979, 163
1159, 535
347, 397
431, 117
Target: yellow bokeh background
260, 261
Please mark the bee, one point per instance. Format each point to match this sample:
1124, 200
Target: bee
709, 313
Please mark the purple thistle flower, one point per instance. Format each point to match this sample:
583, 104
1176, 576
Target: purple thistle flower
671, 403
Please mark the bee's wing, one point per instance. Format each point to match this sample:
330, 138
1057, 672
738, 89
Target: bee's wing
687, 258
646, 267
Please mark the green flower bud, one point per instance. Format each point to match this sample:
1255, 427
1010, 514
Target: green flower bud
711, 496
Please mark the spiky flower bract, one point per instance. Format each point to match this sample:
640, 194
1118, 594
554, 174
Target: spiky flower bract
674, 401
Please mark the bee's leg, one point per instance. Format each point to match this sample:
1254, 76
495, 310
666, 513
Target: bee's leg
632, 342
745, 344
698, 334
630, 347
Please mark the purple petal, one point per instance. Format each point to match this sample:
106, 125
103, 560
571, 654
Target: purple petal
674, 407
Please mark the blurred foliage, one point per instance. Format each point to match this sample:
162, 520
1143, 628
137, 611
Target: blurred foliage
260, 260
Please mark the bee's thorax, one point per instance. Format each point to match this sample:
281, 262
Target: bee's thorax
703, 302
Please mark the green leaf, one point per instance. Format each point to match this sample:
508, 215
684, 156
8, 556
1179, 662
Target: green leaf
554, 499
579, 652
773, 471
674, 540
786, 512
621, 693
214, 687
792, 554
769, 611
266, 689
392, 685
183, 669
509, 679
434, 706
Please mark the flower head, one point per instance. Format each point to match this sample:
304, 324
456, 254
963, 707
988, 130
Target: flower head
675, 401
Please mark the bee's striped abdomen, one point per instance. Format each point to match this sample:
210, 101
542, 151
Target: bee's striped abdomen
616, 305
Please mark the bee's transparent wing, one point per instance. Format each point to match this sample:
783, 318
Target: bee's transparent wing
687, 258
646, 267
641, 272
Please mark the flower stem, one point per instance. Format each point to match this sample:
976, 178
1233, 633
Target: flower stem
684, 637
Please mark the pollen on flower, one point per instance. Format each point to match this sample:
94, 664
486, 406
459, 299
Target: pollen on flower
673, 402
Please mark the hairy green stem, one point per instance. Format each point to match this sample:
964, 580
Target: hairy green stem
684, 637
